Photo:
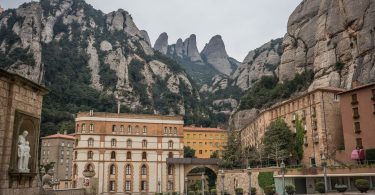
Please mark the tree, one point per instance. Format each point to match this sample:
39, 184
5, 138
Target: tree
214, 155
278, 140
232, 154
189, 152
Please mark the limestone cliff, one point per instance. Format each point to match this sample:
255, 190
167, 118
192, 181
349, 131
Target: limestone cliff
335, 38
161, 43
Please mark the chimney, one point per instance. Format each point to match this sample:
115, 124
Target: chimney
91, 112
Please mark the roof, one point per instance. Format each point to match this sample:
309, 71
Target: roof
59, 136
190, 128
358, 88
128, 115
15, 77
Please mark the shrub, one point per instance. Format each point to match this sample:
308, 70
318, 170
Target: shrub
341, 187
362, 185
191, 193
253, 191
199, 193
320, 187
290, 189
174, 193
238, 190
213, 191
265, 179
270, 190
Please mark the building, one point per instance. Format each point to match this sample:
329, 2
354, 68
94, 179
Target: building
205, 141
20, 114
58, 149
1, 10
358, 119
126, 153
319, 113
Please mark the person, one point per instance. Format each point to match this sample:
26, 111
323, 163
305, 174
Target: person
21, 150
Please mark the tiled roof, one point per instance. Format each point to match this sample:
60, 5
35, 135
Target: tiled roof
190, 128
62, 136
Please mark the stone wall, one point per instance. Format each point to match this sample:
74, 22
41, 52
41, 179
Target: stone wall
18, 95
237, 179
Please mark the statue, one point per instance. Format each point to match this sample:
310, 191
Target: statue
23, 153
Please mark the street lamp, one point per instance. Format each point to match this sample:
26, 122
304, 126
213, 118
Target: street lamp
186, 185
222, 181
202, 182
324, 164
249, 174
282, 166
159, 186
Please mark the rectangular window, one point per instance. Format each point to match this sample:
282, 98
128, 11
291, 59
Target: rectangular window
354, 99
144, 129
143, 185
112, 186
359, 142
122, 128
373, 94
91, 128
127, 185
355, 113
357, 127
200, 152
113, 128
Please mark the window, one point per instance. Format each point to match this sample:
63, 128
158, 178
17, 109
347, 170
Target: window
143, 185
91, 128
75, 172
188, 136
128, 185
357, 127
165, 130
170, 185
359, 142
128, 170
62, 144
170, 155
75, 155
175, 131
128, 155
144, 129
170, 169
373, 93
144, 143
113, 128
90, 142
77, 128
170, 144
200, 152
354, 99
122, 128
144, 156
129, 129
111, 185
355, 113
143, 170
129, 143
113, 142
112, 170
83, 127
113, 155
170, 130
90, 155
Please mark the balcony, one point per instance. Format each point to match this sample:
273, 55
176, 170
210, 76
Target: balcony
355, 102
357, 131
88, 173
356, 116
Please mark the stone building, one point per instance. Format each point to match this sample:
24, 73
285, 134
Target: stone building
126, 153
319, 113
358, 119
58, 149
205, 141
20, 113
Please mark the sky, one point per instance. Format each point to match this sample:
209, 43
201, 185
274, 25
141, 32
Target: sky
243, 24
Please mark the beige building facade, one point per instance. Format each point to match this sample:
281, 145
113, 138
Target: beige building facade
319, 113
20, 114
126, 153
58, 149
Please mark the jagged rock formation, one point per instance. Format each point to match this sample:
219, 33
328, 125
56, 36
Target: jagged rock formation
161, 44
262, 61
215, 54
187, 49
334, 38
93, 60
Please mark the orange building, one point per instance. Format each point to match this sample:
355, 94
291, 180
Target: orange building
205, 141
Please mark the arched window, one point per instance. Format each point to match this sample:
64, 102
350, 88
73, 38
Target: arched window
129, 129
113, 128
113, 142
144, 129
112, 169
128, 155
91, 128
165, 130
122, 128
128, 170
144, 143
136, 129
91, 142
170, 130
170, 169
90, 155
113, 155
170, 144
112, 186
144, 156
77, 130
170, 155
129, 143
83, 127
143, 170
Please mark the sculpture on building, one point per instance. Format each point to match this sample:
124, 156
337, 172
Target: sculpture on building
23, 151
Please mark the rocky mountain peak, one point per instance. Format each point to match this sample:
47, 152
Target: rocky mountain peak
215, 54
191, 49
161, 44
145, 36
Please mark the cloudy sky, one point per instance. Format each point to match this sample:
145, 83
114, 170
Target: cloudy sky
243, 24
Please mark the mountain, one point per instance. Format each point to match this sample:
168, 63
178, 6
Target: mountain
91, 60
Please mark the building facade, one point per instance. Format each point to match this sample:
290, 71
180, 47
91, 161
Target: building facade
358, 119
58, 149
205, 141
126, 153
20, 114
319, 113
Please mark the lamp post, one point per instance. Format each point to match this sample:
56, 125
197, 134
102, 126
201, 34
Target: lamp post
324, 164
202, 182
222, 182
159, 189
249, 174
282, 166
186, 185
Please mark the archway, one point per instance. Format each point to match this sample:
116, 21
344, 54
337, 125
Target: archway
194, 176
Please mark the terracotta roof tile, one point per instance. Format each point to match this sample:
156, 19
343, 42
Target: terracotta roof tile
63, 136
